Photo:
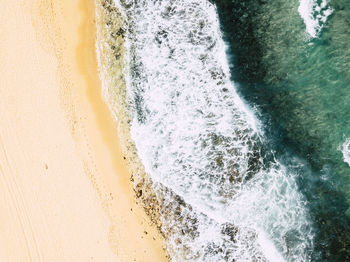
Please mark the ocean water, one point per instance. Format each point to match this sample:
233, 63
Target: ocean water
296, 72
239, 115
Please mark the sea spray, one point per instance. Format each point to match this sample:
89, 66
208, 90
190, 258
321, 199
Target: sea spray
315, 14
202, 145
345, 148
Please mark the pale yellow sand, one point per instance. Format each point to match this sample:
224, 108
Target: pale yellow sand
65, 193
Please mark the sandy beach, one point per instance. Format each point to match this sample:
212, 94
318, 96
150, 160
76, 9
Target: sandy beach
65, 193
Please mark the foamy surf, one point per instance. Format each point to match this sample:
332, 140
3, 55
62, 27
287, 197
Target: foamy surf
223, 196
315, 14
345, 148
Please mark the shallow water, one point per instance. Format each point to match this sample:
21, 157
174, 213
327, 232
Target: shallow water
240, 117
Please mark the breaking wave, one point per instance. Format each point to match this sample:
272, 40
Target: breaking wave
223, 195
346, 151
315, 14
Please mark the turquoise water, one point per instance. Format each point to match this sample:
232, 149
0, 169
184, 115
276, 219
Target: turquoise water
301, 86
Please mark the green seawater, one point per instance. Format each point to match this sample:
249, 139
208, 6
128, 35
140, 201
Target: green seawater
301, 87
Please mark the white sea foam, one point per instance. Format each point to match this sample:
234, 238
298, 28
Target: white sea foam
345, 148
315, 14
197, 138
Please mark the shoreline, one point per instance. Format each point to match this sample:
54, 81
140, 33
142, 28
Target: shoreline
66, 193
112, 50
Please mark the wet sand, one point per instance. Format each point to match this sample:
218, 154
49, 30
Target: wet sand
65, 193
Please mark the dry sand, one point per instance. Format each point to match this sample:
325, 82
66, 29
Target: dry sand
65, 193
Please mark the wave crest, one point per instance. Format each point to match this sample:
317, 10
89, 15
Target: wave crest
315, 15
223, 196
